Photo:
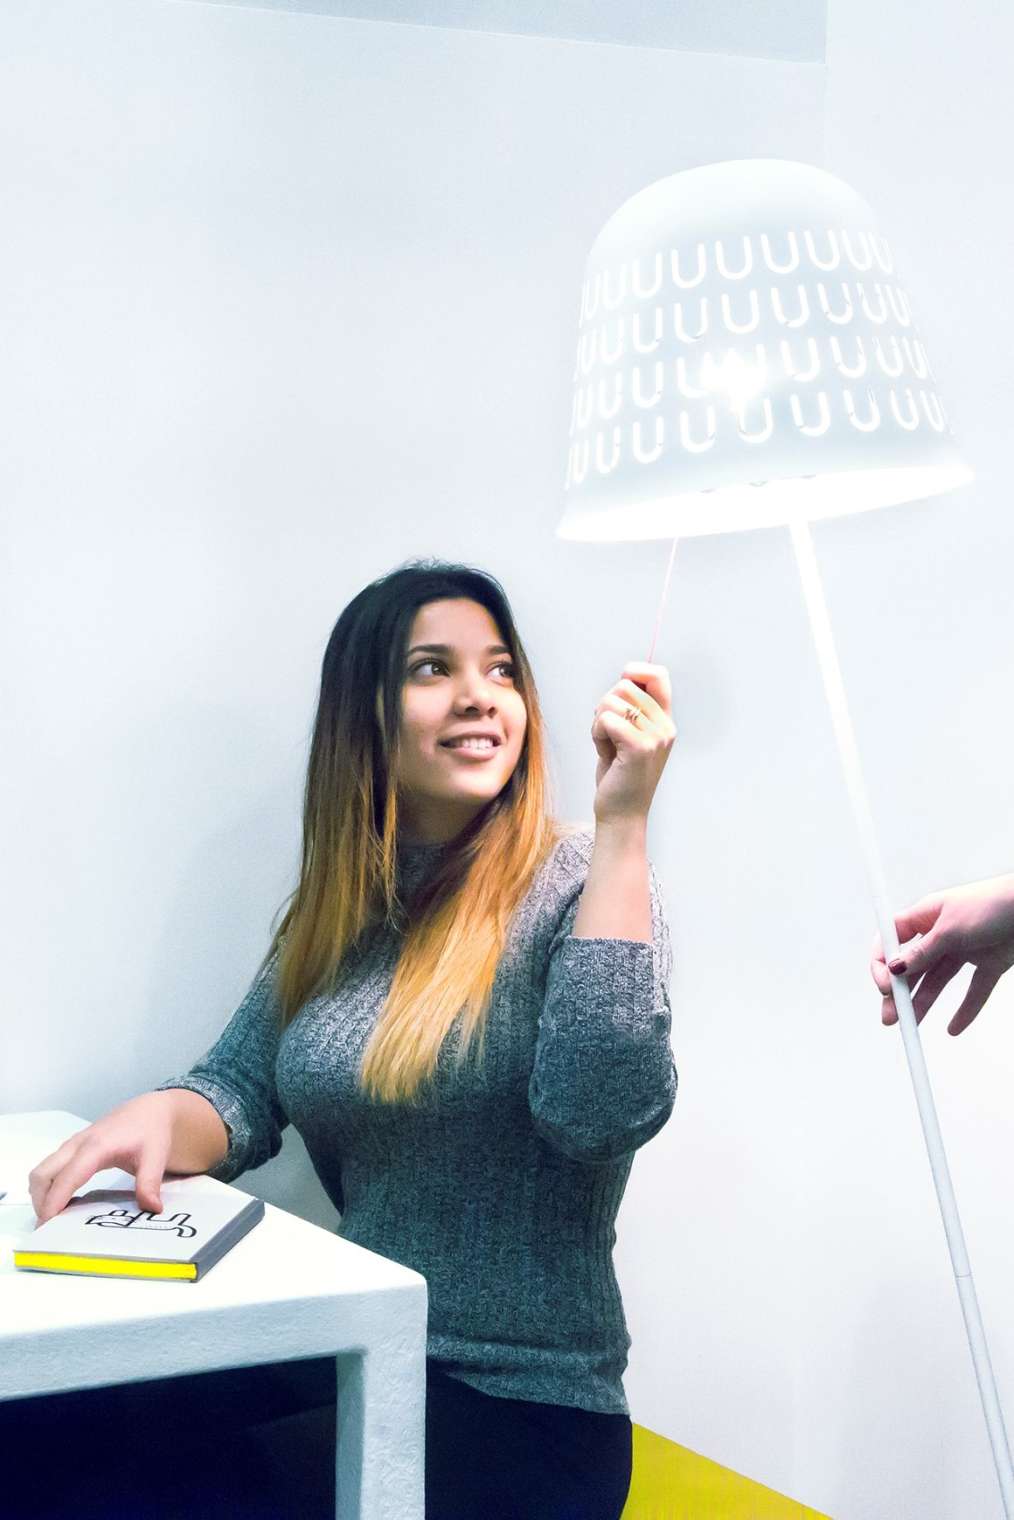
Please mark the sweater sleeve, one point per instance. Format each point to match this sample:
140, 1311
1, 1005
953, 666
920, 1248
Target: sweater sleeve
237, 1076
604, 1079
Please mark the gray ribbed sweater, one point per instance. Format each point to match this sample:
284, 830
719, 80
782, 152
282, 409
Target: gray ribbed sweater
502, 1190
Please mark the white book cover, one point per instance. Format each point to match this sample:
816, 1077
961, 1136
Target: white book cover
107, 1232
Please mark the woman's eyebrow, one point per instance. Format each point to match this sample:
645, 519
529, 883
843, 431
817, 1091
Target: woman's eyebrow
449, 649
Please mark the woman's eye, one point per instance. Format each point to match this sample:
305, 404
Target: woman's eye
507, 665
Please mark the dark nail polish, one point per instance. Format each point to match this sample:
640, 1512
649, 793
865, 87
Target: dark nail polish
898, 966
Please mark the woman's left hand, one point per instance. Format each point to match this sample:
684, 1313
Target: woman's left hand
632, 750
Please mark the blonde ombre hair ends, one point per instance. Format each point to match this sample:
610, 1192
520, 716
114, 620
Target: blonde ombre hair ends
455, 926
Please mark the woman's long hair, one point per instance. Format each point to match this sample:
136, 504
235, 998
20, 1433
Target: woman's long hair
455, 926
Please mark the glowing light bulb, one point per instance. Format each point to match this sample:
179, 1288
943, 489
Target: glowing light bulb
733, 377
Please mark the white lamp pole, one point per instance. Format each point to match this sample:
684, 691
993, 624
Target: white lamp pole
747, 358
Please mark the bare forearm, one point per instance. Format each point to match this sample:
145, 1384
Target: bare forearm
616, 897
200, 1138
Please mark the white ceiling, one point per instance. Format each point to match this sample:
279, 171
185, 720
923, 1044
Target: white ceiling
787, 29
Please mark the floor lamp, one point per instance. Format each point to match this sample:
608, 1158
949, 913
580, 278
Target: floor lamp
747, 358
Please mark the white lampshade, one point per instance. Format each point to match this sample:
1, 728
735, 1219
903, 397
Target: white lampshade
747, 357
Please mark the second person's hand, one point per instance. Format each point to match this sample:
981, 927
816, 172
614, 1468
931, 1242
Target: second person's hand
969, 925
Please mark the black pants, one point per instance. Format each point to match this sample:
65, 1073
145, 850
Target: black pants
489, 1458
257, 1443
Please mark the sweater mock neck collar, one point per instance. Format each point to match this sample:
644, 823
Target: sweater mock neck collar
418, 858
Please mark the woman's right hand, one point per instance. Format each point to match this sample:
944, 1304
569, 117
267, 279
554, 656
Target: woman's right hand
136, 1136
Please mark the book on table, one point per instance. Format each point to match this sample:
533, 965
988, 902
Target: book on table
106, 1233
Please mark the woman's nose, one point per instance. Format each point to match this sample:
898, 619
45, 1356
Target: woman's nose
475, 694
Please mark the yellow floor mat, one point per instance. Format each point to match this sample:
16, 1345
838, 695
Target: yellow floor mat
671, 1483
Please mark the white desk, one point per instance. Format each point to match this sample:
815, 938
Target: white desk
288, 1289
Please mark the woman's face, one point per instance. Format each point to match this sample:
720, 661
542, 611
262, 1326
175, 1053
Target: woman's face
465, 687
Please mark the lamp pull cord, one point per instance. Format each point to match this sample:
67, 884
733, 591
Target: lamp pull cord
665, 593
835, 691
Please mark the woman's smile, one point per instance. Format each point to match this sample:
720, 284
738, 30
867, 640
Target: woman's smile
472, 750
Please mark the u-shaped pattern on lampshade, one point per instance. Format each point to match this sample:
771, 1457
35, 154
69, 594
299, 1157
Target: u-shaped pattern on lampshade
602, 400
827, 249
698, 426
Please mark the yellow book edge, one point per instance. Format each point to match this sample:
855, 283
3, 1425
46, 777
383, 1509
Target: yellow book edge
101, 1266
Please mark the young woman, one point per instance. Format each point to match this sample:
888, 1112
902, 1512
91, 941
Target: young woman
465, 1012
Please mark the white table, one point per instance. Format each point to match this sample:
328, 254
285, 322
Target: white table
288, 1289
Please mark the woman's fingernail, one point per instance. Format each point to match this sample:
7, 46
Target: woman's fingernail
898, 966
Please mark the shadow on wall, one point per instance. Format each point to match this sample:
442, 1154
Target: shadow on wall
218, 913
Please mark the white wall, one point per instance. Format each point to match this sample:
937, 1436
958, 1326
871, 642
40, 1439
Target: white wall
793, 29
293, 298
805, 1241
918, 119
